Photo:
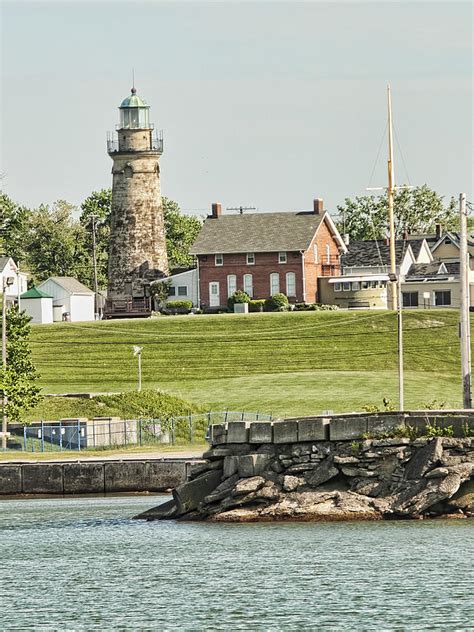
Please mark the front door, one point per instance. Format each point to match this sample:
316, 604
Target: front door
214, 295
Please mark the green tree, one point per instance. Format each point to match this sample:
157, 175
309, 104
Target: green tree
13, 228
98, 204
181, 232
18, 380
416, 210
56, 243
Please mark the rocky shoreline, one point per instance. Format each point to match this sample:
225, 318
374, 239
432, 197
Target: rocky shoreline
321, 480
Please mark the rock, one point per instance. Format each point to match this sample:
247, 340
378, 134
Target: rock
216, 453
358, 471
164, 511
438, 472
369, 487
380, 443
197, 470
300, 467
248, 485
346, 460
424, 493
189, 495
222, 490
290, 483
321, 473
464, 497
424, 459
231, 465
252, 464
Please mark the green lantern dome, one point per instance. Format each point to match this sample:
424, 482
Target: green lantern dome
134, 112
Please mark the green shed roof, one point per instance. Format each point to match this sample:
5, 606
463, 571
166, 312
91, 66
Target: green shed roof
35, 293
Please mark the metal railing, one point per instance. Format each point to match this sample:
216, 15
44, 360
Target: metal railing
113, 146
84, 434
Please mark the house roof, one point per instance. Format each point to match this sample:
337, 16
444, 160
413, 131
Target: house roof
35, 293
260, 232
432, 270
3, 262
371, 253
71, 285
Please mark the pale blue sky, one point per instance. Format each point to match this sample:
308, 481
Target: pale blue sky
267, 104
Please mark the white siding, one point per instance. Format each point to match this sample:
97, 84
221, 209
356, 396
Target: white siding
188, 279
40, 309
82, 307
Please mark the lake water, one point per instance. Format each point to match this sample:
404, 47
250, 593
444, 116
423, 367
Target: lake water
83, 564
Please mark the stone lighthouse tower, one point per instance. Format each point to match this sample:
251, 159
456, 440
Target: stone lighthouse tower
137, 251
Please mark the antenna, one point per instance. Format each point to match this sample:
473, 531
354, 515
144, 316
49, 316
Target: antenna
133, 81
241, 209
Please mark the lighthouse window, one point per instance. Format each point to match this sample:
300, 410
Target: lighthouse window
128, 172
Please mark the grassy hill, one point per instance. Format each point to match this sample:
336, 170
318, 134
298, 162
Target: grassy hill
285, 363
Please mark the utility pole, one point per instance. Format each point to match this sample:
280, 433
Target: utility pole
241, 209
465, 325
94, 263
6, 282
390, 192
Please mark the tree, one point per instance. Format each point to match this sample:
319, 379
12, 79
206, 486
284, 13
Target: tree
13, 227
417, 210
181, 232
99, 204
19, 379
56, 243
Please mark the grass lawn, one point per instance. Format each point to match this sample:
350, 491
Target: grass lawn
285, 363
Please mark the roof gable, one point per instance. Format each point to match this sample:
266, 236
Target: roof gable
371, 253
71, 285
261, 232
35, 293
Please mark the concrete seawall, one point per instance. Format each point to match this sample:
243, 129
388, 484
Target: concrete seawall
92, 477
338, 467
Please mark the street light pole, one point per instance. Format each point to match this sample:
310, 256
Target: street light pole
94, 262
137, 351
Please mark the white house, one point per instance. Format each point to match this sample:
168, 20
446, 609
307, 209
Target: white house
71, 299
9, 270
183, 286
38, 305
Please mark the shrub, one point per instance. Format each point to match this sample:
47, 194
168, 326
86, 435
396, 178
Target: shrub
178, 307
257, 305
277, 302
432, 430
237, 297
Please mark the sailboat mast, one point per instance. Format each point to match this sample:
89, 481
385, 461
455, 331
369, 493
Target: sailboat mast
390, 191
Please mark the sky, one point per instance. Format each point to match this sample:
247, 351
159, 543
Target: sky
263, 104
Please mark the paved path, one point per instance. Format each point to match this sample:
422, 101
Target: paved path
116, 456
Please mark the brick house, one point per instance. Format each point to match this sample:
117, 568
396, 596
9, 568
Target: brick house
266, 253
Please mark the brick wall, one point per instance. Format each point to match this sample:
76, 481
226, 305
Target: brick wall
265, 264
313, 269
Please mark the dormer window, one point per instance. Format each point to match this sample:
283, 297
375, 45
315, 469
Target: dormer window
250, 258
219, 260
282, 257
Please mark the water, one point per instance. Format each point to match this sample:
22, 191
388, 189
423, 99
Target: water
83, 564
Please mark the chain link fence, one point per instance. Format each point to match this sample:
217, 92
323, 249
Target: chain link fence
107, 432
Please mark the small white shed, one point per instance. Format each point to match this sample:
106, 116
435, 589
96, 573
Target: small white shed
38, 305
75, 300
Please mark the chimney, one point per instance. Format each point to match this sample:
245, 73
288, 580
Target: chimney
387, 241
216, 210
346, 238
439, 231
318, 206
405, 235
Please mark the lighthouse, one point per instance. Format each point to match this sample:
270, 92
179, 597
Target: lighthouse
137, 249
